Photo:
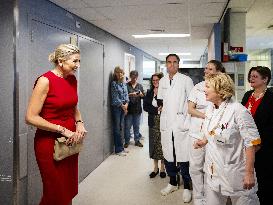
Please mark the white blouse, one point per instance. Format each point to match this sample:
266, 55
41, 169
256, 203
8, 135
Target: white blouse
154, 102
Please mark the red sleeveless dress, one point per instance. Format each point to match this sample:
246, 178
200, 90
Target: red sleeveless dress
60, 179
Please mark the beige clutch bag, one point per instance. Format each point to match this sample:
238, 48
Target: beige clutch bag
61, 150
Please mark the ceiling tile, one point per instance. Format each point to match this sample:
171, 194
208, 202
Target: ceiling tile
69, 4
88, 14
117, 3
144, 13
123, 18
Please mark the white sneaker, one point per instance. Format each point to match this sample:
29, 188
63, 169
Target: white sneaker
168, 189
121, 154
186, 195
125, 151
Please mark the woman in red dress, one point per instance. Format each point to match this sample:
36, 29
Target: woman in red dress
53, 110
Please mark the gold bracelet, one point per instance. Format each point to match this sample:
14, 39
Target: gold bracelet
61, 131
58, 128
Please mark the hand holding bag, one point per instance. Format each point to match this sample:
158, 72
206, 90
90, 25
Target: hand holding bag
61, 150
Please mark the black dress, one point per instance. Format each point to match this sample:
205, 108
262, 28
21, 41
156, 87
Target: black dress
263, 158
155, 147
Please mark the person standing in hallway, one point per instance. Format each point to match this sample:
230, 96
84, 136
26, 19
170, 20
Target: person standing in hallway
119, 105
55, 113
231, 138
150, 106
173, 92
136, 93
259, 102
196, 107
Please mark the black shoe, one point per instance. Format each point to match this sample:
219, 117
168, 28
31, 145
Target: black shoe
126, 145
153, 174
162, 174
138, 143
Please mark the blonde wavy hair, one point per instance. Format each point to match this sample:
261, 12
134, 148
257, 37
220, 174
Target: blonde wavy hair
222, 84
118, 69
62, 52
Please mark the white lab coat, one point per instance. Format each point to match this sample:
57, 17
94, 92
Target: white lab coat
197, 156
225, 151
174, 116
197, 96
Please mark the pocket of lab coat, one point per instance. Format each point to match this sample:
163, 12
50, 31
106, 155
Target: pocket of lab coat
235, 175
220, 140
228, 136
182, 122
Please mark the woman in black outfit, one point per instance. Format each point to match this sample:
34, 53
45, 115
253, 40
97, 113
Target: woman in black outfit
259, 102
150, 106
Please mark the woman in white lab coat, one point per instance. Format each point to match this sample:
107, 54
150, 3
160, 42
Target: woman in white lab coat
230, 136
174, 90
196, 107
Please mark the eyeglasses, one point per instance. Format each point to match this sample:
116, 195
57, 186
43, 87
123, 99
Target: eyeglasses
253, 76
174, 62
155, 80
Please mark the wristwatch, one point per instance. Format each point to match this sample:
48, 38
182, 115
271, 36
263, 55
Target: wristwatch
78, 121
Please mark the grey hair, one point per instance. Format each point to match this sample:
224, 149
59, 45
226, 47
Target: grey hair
133, 73
62, 52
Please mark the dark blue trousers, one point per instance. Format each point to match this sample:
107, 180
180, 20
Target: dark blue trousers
117, 124
183, 168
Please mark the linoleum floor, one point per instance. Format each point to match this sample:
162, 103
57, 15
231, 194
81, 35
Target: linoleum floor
125, 180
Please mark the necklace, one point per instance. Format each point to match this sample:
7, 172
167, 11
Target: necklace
253, 100
212, 131
260, 95
58, 74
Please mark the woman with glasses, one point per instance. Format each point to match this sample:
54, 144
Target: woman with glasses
259, 102
150, 105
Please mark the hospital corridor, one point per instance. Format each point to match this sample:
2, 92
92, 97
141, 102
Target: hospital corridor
125, 180
136, 102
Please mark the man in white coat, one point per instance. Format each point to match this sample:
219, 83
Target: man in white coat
173, 93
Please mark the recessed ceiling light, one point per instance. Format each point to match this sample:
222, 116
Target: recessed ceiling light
157, 30
215, 2
175, 3
180, 54
159, 35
